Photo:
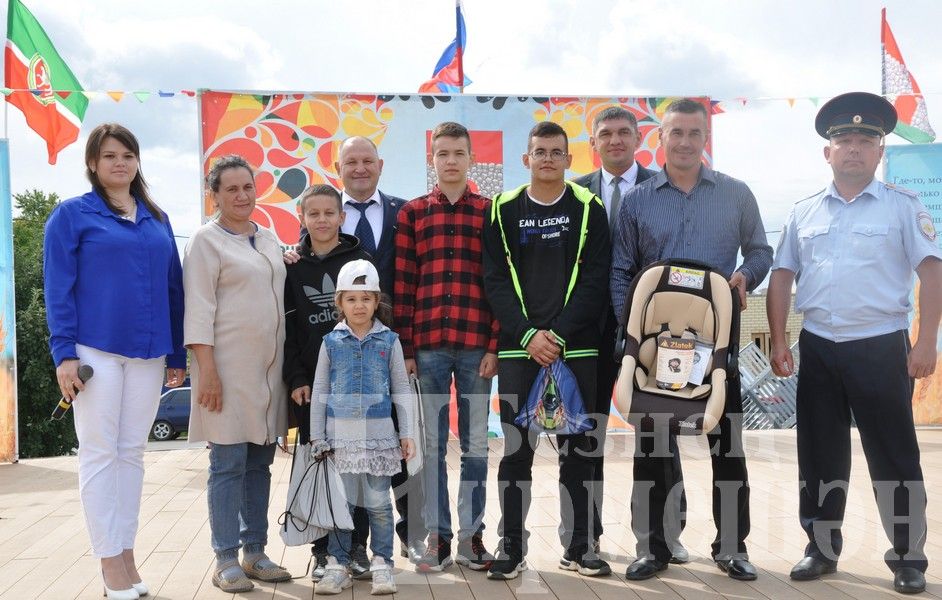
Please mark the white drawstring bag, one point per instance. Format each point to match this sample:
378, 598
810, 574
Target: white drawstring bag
414, 464
317, 503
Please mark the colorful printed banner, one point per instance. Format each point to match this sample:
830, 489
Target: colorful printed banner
8, 428
919, 168
293, 141
902, 90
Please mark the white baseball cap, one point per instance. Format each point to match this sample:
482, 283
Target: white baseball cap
356, 276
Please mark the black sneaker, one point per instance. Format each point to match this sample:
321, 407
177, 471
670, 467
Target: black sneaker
359, 562
589, 564
506, 566
413, 550
437, 555
320, 566
473, 554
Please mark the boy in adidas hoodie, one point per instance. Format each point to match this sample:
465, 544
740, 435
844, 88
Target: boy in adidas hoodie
310, 312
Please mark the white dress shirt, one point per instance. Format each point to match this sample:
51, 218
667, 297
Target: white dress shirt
627, 182
374, 215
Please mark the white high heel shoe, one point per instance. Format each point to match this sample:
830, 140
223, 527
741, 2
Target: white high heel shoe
128, 594
141, 588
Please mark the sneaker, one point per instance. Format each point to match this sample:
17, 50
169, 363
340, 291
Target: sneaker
473, 554
359, 562
506, 566
335, 579
414, 550
437, 556
382, 577
589, 564
320, 566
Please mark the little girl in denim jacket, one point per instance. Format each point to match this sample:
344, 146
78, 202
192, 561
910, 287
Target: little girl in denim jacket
360, 374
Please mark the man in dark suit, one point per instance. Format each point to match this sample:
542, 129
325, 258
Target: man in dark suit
371, 216
615, 137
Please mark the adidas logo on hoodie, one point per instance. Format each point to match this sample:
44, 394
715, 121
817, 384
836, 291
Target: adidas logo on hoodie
323, 298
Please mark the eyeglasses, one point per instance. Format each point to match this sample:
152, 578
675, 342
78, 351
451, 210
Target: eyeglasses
541, 154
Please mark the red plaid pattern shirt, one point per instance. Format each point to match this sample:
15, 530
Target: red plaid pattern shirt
439, 290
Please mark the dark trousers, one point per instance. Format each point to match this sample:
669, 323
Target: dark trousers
409, 499
607, 374
659, 481
866, 379
599, 408
515, 475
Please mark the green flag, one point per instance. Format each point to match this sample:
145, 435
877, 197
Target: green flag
44, 87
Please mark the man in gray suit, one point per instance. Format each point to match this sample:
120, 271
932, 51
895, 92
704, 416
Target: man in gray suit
615, 137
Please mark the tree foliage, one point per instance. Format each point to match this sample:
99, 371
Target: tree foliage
37, 389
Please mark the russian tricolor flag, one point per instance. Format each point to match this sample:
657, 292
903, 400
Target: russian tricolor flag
450, 68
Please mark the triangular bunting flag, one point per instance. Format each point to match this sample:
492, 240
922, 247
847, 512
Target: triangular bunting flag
814, 100
791, 102
116, 96
141, 96
164, 94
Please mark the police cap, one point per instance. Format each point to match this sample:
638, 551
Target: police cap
858, 112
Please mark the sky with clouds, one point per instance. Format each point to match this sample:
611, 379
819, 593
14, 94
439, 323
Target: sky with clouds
762, 50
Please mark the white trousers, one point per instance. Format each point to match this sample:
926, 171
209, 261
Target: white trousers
113, 417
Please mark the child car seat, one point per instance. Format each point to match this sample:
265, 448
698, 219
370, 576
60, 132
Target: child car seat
676, 296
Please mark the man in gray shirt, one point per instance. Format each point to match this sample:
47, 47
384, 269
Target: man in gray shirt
689, 211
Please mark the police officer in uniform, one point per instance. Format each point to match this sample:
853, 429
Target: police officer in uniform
853, 248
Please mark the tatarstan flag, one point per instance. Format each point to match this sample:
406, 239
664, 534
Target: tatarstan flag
913, 124
44, 87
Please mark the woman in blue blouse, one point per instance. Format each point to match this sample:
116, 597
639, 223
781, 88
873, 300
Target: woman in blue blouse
114, 301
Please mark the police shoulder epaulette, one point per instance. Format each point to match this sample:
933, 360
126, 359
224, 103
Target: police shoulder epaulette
814, 195
902, 190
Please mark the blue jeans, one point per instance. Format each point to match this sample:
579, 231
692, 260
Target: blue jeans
238, 491
372, 493
435, 371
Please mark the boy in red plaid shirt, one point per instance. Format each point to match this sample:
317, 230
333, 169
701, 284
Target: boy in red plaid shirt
446, 329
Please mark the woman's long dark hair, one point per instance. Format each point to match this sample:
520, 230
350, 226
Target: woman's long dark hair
138, 186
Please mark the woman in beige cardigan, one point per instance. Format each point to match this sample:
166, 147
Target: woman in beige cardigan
233, 279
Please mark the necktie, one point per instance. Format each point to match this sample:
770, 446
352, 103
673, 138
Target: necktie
615, 203
364, 230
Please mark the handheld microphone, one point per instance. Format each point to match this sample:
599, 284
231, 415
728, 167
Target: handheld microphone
85, 373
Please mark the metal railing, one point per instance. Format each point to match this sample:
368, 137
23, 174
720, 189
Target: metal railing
768, 401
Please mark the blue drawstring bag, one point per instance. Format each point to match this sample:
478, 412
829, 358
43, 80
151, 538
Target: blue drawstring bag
554, 404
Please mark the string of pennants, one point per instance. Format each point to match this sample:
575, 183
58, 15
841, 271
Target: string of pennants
142, 96
117, 96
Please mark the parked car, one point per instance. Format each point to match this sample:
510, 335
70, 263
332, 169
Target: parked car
173, 415
186, 383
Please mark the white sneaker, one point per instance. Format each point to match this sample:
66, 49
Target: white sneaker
335, 579
382, 577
